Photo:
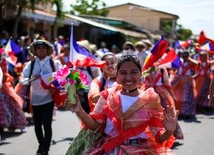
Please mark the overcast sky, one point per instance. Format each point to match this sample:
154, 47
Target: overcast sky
196, 15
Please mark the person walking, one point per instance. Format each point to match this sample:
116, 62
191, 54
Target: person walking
11, 114
131, 120
41, 99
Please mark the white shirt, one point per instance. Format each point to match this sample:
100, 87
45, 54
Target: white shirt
38, 94
126, 102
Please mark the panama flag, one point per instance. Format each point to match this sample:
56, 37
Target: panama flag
182, 44
156, 53
171, 60
208, 47
79, 56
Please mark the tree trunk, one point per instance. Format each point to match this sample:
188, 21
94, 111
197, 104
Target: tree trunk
17, 19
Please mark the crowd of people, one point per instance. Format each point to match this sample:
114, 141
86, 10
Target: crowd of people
124, 110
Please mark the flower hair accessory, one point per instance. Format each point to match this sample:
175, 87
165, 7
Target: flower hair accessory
70, 79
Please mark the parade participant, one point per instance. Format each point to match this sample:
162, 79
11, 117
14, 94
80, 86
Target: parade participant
102, 50
63, 56
106, 80
128, 46
203, 80
11, 114
183, 87
211, 88
159, 80
148, 44
132, 120
41, 99
142, 54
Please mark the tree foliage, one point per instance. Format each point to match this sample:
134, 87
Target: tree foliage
183, 34
85, 7
19, 6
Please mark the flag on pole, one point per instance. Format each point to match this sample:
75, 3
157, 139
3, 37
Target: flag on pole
171, 60
203, 39
8, 56
156, 53
58, 47
79, 56
208, 47
47, 79
11, 46
182, 44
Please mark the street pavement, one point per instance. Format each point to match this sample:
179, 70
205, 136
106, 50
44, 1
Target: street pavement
198, 136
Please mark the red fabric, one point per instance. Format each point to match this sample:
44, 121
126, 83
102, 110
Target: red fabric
59, 98
156, 53
171, 55
202, 38
132, 122
90, 62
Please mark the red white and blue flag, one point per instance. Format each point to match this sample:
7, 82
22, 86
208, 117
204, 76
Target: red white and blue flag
10, 50
208, 47
79, 56
203, 39
182, 44
156, 53
171, 60
11, 46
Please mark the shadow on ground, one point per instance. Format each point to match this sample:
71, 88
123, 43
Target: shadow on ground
54, 142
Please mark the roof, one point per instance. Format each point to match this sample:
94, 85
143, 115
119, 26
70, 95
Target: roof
117, 22
145, 8
50, 17
107, 27
39, 15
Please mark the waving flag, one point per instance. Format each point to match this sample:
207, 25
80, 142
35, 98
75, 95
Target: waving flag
172, 60
8, 56
203, 39
11, 46
58, 47
12, 59
182, 44
47, 79
156, 53
208, 47
79, 56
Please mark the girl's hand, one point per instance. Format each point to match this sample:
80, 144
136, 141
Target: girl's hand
74, 107
170, 119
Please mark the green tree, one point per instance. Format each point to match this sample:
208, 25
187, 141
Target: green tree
166, 27
183, 34
19, 6
85, 7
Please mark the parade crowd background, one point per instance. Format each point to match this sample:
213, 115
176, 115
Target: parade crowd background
181, 73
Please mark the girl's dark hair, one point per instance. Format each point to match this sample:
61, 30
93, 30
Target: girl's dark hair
129, 57
107, 54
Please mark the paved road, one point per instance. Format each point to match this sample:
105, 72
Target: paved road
198, 136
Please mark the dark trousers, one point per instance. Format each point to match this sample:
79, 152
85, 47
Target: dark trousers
42, 116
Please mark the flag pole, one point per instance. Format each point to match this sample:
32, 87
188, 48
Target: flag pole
71, 55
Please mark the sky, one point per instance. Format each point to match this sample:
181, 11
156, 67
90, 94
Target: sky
196, 15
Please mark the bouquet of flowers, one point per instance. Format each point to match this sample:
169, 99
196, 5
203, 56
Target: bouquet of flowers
69, 79
18, 68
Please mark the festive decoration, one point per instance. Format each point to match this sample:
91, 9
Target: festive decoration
18, 68
70, 79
